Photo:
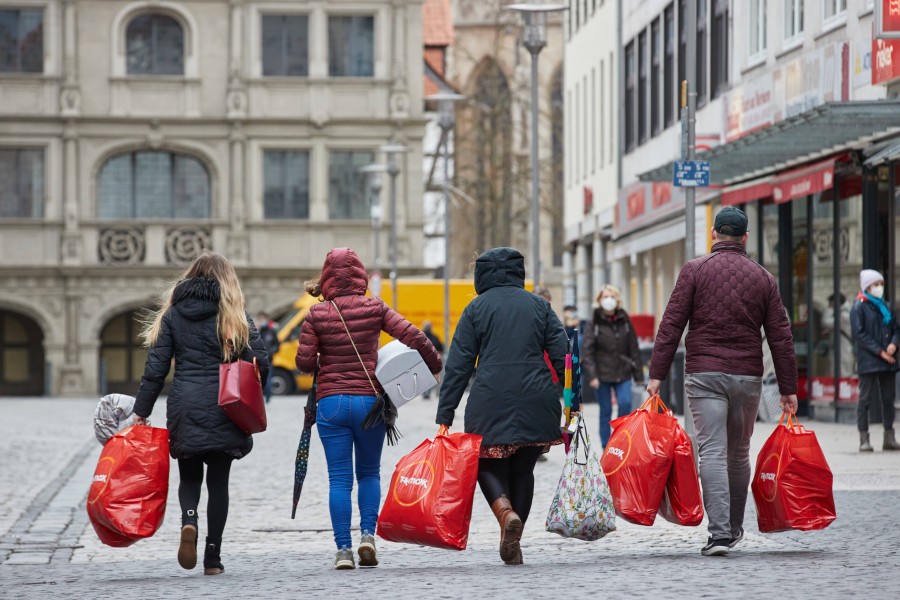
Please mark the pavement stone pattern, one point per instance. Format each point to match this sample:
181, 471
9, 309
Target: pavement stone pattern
49, 550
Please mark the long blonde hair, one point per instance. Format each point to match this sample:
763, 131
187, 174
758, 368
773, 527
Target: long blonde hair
231, 322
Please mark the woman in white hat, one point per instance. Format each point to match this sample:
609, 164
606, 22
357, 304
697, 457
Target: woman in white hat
877, 335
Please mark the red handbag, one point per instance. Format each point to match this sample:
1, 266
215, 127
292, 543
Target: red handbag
127, 498
241, 395
792, 485
430, 499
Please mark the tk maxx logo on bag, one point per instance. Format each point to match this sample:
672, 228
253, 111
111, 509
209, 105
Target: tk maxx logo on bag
768, 475
414, 481
101, 478
620, 453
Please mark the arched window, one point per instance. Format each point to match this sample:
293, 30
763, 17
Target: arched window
21, 355
153, 185
155, 45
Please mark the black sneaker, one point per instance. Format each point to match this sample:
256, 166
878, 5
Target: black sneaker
716, 547
736, 539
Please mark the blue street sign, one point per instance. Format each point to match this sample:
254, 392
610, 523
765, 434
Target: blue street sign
691, 173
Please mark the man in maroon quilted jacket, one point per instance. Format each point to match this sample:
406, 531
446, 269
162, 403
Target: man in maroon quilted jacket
726, 297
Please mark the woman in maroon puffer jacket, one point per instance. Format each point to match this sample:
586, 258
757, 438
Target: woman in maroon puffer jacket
345, 393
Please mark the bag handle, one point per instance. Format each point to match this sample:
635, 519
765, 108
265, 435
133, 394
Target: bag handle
654, 404
347, 329
415, 388
580, 440
792, 422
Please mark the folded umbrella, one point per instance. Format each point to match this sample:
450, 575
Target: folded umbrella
302, 462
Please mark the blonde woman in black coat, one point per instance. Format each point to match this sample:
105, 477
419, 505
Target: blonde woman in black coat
200, 324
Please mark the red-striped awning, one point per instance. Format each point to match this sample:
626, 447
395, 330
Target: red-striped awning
747, 192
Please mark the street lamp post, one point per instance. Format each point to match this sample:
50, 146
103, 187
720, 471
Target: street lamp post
373, 174
446, 120
534, 38
393, 169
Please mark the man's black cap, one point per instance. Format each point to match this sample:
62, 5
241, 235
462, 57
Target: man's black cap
731, 221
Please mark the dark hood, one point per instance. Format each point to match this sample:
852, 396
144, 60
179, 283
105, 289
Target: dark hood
197, 298
499, 267
343, 275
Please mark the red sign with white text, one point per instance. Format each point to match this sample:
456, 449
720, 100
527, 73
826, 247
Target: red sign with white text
637, 202
885, 60
804, 182
890, 17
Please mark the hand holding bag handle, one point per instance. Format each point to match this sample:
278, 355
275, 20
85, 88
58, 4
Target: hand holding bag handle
383, 409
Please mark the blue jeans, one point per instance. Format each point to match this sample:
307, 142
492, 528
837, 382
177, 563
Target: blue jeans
604, 399
340, 420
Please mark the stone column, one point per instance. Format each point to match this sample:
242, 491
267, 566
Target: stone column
238, 237
70, 106
569, 292
599, 256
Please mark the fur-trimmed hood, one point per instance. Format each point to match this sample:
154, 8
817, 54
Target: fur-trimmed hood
197, 298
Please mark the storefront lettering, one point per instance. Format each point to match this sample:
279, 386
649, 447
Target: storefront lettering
885, 68
637, 204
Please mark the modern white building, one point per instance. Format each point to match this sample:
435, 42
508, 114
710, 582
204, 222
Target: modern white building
134, 135
592, 164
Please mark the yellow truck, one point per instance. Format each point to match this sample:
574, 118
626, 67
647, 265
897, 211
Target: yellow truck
420, 300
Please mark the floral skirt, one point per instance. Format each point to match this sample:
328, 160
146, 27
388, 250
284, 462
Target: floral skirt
507, 450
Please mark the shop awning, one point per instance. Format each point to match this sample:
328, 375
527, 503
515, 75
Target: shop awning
889, 153
747, 192
803, 182
819, 132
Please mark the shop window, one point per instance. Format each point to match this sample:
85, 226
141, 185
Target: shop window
153, 185
21, 41
793, 19
21, 356
719, 54
757, 24
630, 107
351, 46
286, 181
670, 87
347, 197
155, 45
122, 354
655, 67
642, 88
21, 183
285, 45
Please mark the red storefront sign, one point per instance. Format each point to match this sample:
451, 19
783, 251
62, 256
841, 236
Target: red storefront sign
887, 19
747, 192
636, 202
588, 200
885, 60
804, 182
662, 194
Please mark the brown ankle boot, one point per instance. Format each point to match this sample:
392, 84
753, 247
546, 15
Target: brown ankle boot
890, 442
510, 531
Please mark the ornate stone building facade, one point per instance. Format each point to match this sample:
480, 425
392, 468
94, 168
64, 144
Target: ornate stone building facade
134, 135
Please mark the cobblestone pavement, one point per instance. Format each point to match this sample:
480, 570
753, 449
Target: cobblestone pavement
47, 456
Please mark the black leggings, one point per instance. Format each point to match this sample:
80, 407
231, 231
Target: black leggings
191, 471
512, 477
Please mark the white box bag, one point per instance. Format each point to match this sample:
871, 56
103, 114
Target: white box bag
402, 373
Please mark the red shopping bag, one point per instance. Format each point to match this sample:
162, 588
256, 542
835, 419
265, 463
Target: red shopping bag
792, 482
683, 503
431, 494
127, 499
637, 460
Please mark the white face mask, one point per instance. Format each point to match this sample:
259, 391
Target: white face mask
877, 291
608, 304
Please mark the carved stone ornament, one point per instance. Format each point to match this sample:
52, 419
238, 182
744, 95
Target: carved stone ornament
184, 244
121, 246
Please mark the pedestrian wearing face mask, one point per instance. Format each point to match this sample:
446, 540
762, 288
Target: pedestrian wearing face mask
877, 335
611, 356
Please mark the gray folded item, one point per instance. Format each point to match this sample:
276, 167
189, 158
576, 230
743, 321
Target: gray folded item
114, 413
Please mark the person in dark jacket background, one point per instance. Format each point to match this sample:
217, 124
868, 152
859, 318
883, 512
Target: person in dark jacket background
877, 335
268, 331
345, 391
201, 323
514, 403
611, 356
727, 298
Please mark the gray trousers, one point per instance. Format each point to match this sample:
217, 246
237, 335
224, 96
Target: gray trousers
724, 409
